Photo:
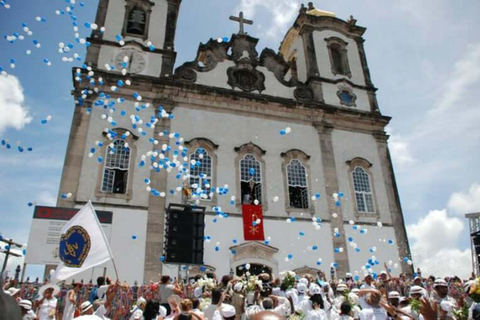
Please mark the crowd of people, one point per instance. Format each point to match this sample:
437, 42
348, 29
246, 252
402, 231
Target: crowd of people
289, 296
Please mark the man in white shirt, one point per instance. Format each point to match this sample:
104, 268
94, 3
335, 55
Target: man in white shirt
370, 303
217, 299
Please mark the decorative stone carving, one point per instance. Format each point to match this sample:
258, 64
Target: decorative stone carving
245, 77
254, 250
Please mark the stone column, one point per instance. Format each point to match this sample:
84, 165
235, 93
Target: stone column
74, 156
168, 59
393, 200
313, 74
331, 185
156, 211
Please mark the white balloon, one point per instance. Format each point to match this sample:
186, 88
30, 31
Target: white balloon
247, 266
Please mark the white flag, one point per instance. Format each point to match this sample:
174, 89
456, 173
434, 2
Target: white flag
83, 245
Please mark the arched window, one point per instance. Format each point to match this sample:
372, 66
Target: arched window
250, 179
115, 172
297, 184
363, 191
137, 18
336, 58
337, 49
137, 21
201, 173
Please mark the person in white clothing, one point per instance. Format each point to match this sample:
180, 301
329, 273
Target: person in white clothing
370, 302
47, 304
26, 309
368, 282
71, 302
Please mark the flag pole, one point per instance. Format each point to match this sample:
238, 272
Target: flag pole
105, 239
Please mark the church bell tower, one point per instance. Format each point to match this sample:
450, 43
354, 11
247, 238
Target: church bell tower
137, 37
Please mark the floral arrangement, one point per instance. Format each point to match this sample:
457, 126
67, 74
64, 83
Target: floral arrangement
474, 291
206, 284
251, 283
288, 281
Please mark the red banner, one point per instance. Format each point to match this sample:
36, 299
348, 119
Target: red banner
252, 223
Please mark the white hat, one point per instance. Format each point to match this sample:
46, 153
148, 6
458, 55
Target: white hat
162, 311
56, 289
467, 285
12, 291
140, 301
85, 306
303, 280
416, 290
315, 289
25, 304
355, 290
440, 283
238, 286
197, 292
367, 275
383, 272
301, 287
348, 275
227, 311
342, 287
393, 295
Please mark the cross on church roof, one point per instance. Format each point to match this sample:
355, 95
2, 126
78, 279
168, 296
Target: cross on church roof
242, 21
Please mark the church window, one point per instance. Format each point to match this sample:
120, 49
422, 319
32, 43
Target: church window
202, 170
337, 49
115, 172
297, 184
251, 179
201, 173
363, 191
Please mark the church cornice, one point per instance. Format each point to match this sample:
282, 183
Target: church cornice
168, 88
139, 45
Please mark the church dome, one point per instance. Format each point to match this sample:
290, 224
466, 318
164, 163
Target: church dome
321, 13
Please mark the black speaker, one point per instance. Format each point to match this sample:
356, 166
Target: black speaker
184, 234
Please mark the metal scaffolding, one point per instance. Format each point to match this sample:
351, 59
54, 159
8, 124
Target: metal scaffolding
474, 223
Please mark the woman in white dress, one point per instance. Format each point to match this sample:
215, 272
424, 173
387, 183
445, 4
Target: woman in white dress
47, 304
71, 302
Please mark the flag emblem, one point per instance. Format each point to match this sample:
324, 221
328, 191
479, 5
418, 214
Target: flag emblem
74, 247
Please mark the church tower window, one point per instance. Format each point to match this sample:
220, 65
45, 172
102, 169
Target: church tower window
297, 185
117, 163
136, 21
137, 18
250, 179
363, 191
201, 173
337, 49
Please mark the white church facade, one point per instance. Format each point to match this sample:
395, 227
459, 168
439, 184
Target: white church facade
297, 133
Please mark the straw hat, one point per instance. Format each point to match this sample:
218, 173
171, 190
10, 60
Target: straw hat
56, 289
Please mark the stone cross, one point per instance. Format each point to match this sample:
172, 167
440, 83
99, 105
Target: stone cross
242, 21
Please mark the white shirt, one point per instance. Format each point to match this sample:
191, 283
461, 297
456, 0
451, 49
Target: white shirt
373, 314
47, 308
137, 314
210, 310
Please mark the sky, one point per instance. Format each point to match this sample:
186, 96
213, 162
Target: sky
423, 56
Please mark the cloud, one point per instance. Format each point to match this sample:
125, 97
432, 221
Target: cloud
14, 113
399, 149
282, 13
469, 202
466, 72
435, 239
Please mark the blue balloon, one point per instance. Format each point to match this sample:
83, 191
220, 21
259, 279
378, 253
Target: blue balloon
162, 258
314, 247
290, 256
134, 237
